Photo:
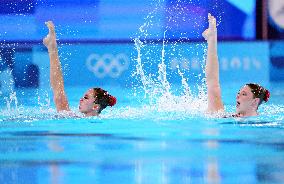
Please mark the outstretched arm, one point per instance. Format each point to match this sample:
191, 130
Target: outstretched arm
212, 67
56, 78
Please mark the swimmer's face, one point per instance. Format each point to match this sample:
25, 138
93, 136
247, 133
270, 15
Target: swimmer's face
245, 100
87, 104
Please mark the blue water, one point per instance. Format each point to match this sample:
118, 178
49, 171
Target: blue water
137, 143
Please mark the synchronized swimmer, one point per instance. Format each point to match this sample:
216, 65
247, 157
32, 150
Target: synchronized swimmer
248, 99
93, 101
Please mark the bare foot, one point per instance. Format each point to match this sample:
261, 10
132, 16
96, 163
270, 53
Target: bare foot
50, 40
211, 32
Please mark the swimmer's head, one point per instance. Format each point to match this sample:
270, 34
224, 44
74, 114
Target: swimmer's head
103, 99
250, 97
259, 92
95, 100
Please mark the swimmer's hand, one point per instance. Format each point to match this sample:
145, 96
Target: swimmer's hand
211, 32
50, 40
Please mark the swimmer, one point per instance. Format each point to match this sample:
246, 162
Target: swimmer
250, 95
93, 101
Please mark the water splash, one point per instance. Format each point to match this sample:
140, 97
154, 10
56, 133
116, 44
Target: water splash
7, 82
162, 77
158, 91
43, 101
12, 104
147, 82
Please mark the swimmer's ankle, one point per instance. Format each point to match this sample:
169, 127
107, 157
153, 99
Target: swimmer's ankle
212, 38
52, 47
51, 51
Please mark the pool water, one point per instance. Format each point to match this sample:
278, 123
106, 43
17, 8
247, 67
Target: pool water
134, 142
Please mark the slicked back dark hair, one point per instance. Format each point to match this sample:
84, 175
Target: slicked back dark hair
103, 99
259, 92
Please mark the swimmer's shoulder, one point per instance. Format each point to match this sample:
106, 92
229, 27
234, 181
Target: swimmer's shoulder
231, 116
223, 114
68, 114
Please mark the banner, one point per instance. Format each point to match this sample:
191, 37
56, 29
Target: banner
102, 64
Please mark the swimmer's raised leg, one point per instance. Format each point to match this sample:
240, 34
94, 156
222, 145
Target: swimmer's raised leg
212, 67
56, 78
50, 40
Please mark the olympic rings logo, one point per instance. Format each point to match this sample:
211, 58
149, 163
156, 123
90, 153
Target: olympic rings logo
107, 65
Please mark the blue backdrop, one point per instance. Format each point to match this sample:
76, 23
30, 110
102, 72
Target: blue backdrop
94, 19
98, 64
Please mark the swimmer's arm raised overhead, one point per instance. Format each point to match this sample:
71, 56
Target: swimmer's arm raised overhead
212, 68
56, 78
